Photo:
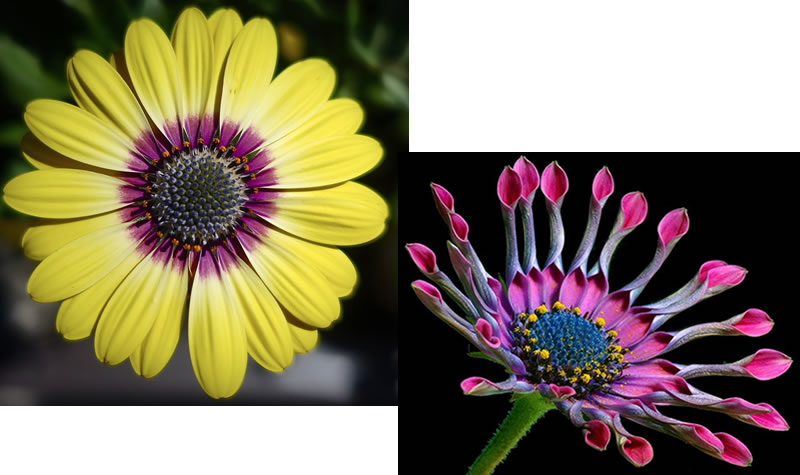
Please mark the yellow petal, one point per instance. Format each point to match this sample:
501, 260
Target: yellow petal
77, 315
327, 162
40, 241
153, 69
157, 348
268, 338
99, 89
64, 193
224, 25
131, 311
80, 135
248, 70
295, 94
284, 265
42, 157
81, 263
191, 39
303, 340
342, 215
336, 117
217, 342
335, 266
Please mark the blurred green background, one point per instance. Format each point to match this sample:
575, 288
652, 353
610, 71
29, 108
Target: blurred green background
367, 44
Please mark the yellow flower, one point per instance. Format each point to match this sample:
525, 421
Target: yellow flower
189, 177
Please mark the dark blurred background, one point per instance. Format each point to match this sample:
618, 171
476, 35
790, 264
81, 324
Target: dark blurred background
356, 360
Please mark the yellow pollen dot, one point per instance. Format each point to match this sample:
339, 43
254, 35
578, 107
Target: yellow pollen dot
148, 216
144, 204
523, 316
174, 242
600, 322
548, 368
527, 348
237, 160
246, 167
223, 148
572, 380
175, 148
612, 334
562, 373
587, 366
186, 144
244, 159
558, 306
526, 332
615, 348
576, 371
196, 248
541, 310
159, 234
200, 141
576, 310
536, 352
233, 148
187, 246
165, 154
516, 330
215, 140
586, 378
545, 354
532, 341
532, 318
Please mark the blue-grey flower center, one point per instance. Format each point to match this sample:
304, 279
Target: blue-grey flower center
195, 196
562, 347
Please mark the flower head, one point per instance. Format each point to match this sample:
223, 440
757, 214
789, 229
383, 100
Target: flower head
560, 331
187, 176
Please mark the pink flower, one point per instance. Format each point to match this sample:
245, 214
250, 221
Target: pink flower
594, 352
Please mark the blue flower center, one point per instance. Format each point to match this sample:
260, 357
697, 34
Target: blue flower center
562, 347
196, 196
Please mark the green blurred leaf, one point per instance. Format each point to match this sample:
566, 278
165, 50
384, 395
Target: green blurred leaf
84, 7
11, 133
396, 88
23, 76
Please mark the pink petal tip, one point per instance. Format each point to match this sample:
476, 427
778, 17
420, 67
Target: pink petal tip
423, 257
554, 182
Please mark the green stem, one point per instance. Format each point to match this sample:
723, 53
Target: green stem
523, 414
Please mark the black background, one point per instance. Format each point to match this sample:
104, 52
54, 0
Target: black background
740, 210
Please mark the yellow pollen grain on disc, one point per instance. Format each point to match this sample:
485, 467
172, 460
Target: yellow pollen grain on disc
522, 316
541, 310
586, 378
548, 368
600, 322
576, 310
527, 348
572, 380
558, 306
562, 373
526, 332
532, 341
612, 334
532, 318
615, 348
576, 371
536, 352
516, 330
544, 354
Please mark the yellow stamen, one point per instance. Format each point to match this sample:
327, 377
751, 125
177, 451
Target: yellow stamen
545, 354
600, 322
586, 378
532, 318
526, 332
527, 348
612, 334
576, 310
541, 310
558, 306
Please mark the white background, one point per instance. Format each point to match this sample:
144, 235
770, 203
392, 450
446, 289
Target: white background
625, 75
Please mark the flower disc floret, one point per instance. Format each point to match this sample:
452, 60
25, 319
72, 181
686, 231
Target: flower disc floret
562, 347
196, 195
